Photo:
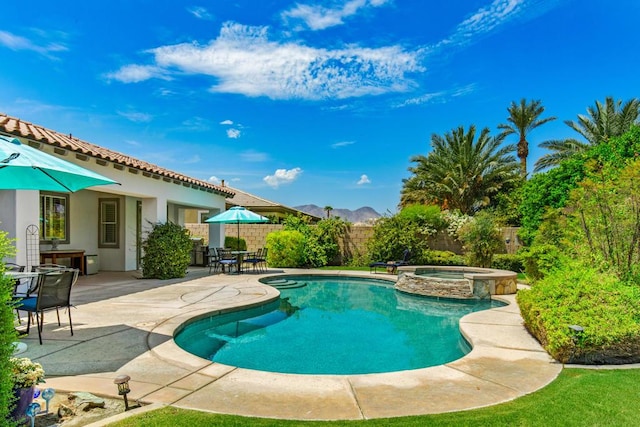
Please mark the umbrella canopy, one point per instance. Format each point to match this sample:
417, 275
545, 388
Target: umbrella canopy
237, 215
25, 168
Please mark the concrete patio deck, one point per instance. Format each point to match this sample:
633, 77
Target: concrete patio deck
125, 325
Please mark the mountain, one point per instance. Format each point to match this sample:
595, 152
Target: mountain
362, 215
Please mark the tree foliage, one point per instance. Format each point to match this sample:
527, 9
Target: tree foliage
462, 171
606, 212
602, 122
167, 251
523, 118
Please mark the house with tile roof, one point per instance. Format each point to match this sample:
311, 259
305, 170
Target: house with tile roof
108, 222
275, 211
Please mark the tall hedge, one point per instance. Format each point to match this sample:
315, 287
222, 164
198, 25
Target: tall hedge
7, 332
167, 252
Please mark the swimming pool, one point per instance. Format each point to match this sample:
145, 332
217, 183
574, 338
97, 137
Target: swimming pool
334, 325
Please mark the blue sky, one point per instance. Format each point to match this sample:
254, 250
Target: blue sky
312, 101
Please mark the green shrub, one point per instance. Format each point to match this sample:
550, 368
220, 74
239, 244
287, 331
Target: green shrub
540, 260
167, 252
321, 246
286, 248
432, 257
235, 243
511, 262
607, 308
482, 238
7, 332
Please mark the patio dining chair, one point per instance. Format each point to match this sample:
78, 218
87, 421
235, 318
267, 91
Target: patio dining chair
262, 264
213, 260
254, 260
54, 292
228, 260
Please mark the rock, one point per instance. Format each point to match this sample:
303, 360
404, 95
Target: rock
87, 400
65, 411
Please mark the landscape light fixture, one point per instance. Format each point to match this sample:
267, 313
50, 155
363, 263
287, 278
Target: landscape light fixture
576, 333
122, 382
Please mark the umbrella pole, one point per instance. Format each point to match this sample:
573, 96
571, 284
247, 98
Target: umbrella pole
238, 243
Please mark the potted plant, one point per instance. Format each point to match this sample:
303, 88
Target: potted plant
26, 375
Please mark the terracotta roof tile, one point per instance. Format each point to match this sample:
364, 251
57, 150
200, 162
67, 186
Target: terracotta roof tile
23, 129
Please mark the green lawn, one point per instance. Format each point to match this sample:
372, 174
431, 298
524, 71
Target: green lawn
578, 397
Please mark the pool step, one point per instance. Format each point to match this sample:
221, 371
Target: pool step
285, 284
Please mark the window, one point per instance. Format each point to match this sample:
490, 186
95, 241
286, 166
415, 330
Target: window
54, 217
109, 232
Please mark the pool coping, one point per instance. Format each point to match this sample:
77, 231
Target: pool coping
506, 362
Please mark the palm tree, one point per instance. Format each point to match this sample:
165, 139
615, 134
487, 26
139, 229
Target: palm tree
461, 172
603, 122
523, 118
328, 210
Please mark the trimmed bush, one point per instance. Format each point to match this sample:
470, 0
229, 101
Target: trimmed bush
235, 244
511, 262
7, 332
286, 248
607, 309
441, 258
167, 252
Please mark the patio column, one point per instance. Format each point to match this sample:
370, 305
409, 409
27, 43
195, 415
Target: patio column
18, 210
154, 210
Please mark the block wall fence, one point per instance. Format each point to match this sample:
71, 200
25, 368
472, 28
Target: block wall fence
354, 243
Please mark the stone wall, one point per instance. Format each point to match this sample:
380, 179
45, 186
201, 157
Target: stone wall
354, 244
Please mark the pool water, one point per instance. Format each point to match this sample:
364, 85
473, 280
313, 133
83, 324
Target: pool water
335, 325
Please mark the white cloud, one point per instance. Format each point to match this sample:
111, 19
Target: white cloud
244, 61
197, 124
318, 17
488, 18
214, 180
16, 42
282, 176
233, 133
440, 97
200, 13
226, 122
364, 179
137, 73
135, 116
254, 156
342, 144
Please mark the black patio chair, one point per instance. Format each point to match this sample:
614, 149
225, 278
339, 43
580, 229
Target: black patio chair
391, 266
213, 260
54, 292
254, 259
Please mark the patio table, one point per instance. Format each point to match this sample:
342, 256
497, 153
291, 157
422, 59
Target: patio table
239, 258
75, 255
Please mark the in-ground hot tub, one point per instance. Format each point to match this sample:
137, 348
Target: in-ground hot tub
456, 281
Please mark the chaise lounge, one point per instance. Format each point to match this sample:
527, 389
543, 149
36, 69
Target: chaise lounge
391, 266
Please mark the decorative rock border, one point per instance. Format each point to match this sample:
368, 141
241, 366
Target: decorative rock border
475, 283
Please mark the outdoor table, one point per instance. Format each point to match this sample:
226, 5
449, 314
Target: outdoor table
17, 276
239, 258
72, 254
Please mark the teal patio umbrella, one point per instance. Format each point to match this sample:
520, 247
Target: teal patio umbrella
237, 215
25, 168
